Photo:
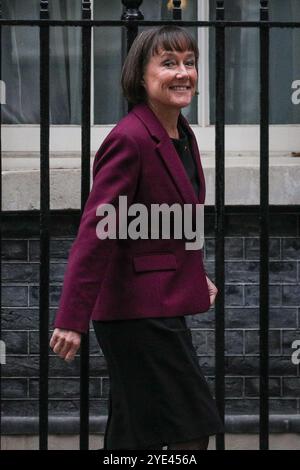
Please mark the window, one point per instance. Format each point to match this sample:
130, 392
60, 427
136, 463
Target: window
242, 63
20, 66
21, 62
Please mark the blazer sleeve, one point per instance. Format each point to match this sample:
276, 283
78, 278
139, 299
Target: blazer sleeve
116, 170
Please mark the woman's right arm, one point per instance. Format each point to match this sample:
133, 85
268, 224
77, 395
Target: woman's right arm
115, 172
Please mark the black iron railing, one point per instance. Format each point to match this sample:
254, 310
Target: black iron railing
0, 220
131, 19
44, 225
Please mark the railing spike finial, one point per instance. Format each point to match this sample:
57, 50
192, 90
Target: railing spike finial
264, 10
220, 10
86, 11
177, 12
132, 11
44, 9
220, 4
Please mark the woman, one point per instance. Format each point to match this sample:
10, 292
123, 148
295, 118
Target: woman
137, 291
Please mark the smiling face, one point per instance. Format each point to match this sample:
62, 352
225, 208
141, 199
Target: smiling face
170, 79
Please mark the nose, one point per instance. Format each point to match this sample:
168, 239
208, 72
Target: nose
182, 71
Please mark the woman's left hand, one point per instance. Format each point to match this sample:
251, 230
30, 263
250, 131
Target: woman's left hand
212, 290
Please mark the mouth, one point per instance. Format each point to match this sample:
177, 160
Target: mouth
180, 88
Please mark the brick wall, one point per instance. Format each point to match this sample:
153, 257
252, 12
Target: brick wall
20, 317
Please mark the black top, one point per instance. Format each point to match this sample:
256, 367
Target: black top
183, 147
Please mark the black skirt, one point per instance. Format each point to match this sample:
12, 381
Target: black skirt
158, 393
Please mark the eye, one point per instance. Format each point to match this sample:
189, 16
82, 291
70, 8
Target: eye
169, 63
190, 63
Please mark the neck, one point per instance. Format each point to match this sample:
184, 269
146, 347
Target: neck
168, 118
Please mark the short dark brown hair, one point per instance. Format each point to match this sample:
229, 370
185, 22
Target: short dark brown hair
145, 45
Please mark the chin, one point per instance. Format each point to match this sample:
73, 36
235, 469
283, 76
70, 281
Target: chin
182, 104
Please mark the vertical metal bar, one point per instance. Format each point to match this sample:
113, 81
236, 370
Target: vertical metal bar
85, 189
130, 14
264, 227
0, 225
177, 12
220, 217
44, 227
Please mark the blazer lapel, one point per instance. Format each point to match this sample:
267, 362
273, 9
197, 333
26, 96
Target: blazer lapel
196, 156
168, 154
176, 170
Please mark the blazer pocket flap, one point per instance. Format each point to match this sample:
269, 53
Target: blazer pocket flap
154, 262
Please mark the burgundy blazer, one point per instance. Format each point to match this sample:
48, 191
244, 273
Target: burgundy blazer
129, 279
